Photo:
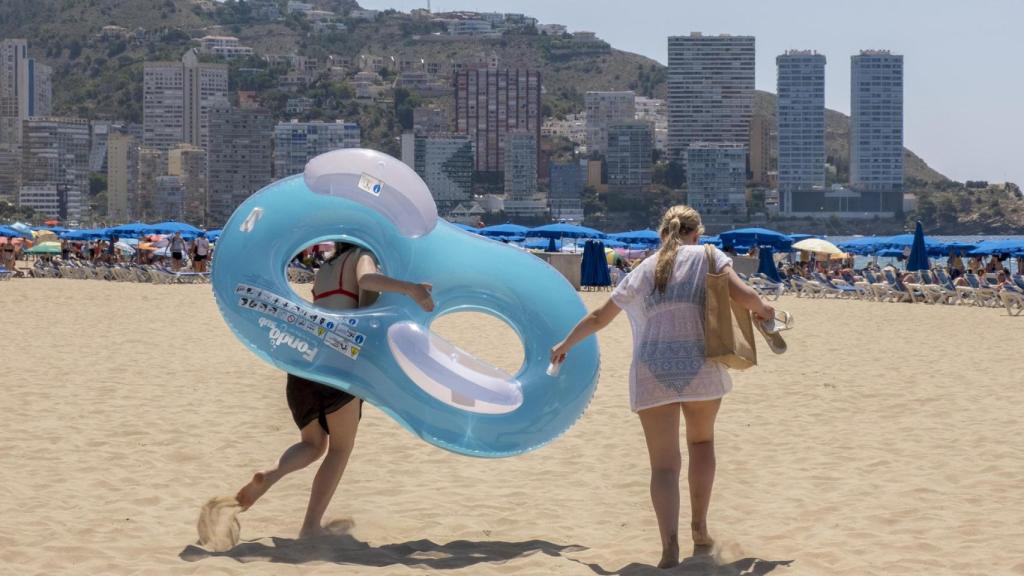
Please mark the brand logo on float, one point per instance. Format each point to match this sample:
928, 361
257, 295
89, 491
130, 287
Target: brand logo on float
279, 337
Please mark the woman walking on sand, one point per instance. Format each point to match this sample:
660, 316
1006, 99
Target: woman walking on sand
669, 375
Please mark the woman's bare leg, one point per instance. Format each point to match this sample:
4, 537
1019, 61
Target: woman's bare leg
661, 428
296, 457
700, 443
344, 423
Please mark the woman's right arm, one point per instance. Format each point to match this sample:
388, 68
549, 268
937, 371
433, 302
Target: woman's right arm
747, 297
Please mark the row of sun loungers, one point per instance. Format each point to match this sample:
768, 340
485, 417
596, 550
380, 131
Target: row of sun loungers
81, 270
929, 287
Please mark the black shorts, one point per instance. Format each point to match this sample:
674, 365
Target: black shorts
199, 257
311, 401
176, 255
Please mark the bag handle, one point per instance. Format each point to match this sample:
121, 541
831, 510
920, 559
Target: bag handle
709, 252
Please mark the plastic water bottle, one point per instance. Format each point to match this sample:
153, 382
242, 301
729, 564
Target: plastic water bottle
554, 368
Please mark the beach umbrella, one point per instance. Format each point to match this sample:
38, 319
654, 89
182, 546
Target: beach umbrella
918, 259
766, 264
8, 232
594, 267
47, 248
542, 244
213, 235
817, 245
124, 247
564, 231
133, 230
551, 246
637, 237
862, 245
957, 247
746, 237
170, 227
713, 240
504, 230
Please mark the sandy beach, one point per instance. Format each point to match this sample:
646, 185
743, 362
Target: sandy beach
888, 441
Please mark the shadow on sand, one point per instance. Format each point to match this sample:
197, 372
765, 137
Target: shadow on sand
344, 549
700, 564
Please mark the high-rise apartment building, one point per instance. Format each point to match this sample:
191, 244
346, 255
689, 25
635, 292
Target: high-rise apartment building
629, 158
296, 143
170, 198
122, 177
565, 198
445, 162
491, 103
188, 164
55, 166
801, 130
604, 109
710, 90
760, 149
152, 165
716, 177
239, 158
876, 130
520, 165
177, 99
25, 90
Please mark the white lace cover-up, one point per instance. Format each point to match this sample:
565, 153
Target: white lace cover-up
668, 333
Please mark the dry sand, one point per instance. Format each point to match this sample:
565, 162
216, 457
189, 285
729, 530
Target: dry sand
888, 441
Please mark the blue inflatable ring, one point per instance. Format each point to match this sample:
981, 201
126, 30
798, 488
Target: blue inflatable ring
386, 353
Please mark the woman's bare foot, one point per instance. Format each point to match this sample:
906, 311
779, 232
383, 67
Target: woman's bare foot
670, 554
701, 537
312, 532
252, 491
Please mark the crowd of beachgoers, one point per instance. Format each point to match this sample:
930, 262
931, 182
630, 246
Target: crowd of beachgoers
800, 265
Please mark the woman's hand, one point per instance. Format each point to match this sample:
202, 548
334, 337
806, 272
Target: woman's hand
559, 351
767, 312
420, 294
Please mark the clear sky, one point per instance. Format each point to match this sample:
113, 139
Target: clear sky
963, 60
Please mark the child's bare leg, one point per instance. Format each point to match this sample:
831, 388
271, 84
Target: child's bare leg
343, 424
296, 457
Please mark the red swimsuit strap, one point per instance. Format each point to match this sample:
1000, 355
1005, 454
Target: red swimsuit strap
340, 290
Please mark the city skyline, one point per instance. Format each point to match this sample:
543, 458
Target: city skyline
944, 121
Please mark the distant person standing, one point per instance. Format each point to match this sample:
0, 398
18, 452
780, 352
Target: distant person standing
65, 249
200, 253
176, 247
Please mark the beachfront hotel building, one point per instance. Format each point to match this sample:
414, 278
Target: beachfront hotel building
876, 130
801, 131
122, 177
716, 177
628, 157
55, 166
489, 104
604, 109
177, 100
239, 158
25, 90
296, 143
710, 90
445, 162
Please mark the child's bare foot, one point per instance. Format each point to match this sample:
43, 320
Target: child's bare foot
252, 491
701, 537
670, 554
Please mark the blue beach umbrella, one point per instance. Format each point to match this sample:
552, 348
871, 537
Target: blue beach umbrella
565, 231
170, 227
766, 264
918, 259
594, 267
507, 229
756, 237
637, 237
133, 230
